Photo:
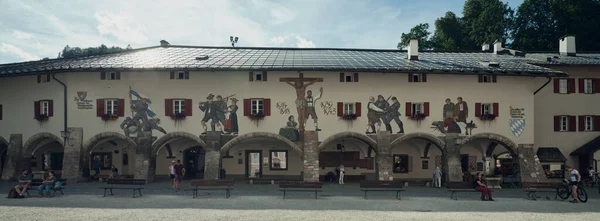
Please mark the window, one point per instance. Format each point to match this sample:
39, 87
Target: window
179, 106
401, 164
105, 160
563, 86
279, 160
588, 123
348, 77
349, 108
588, 86
487, 109
258, 76
44, 107
43, 78
180, 75
257, 106
416, 78
487, 79
417, 108
554, 170
564, 123
55, 161
110, 107
112, 76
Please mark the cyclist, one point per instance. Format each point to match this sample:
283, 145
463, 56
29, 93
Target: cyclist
575, 179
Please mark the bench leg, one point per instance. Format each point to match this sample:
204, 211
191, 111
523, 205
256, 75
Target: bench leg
140, 192
315, 194
365, 194
398, 195
283, 194
194, 193
454, 196
133, 193
226, 193
105, 192
111, 193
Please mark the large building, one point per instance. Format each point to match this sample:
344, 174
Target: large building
383, 114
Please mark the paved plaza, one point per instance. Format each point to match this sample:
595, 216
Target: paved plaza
264, 202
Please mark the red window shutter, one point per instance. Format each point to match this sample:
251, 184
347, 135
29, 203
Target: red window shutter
264, 73
358, 107
121, 107
556, 85
410, 77
355, 77
342, 76
581, 123
251, 76
99, 107
480, 78
581, 83
0, 111
596, 123
187, 75
556, 123
340, 109
267, 106
36, 109
496, 107
188, 107
494, 78
596, 86
572, 123
571, 85
168, 107
172, 75
102, 75
423, 77
118, 75
39, 79
408, 109
477, 109
247, 106
50, 108
426, 109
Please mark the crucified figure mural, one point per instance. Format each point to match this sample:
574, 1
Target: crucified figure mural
304, 108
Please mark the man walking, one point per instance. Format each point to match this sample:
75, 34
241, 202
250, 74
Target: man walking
392, 113
96, 164
437, 177
24, 182
172, 174
179, 173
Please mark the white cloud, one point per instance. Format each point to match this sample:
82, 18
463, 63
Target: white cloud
303, 43
21, 35
9, 48
279, 40
121, 26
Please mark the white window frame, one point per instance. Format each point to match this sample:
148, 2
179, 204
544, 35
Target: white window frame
349, 77
258, 75
416, 77
588, 123
180, 75
588, 86
44, 78
257, 105
111, 76
349, 108
111, 106
487, 109
487, 79
564, 123
179, 106
44, 107
417, 108
563, 86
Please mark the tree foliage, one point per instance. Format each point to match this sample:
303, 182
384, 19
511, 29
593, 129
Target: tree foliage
420, 32
75, 52
486, 21
450, 33
535, 26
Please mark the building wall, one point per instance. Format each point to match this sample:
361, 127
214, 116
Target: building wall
548, 104
350, 145
117, 158
178, 149
236, 170
19, 93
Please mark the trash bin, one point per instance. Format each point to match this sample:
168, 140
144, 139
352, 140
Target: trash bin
223, 174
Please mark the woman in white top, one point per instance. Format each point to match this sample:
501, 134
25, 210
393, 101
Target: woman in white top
342, 171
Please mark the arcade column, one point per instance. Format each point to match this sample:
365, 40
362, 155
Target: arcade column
72, 155
14, 158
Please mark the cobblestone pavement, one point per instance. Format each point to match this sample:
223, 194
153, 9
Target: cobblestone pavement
263, 202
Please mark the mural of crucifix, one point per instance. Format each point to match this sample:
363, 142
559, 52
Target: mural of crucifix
300, 84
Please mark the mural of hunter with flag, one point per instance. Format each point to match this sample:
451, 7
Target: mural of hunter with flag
140, 110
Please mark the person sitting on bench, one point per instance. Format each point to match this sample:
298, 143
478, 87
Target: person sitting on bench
24, 182
48, 184
480, 186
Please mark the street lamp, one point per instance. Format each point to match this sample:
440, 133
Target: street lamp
233, 40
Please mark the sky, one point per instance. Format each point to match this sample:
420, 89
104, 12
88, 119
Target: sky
34, 29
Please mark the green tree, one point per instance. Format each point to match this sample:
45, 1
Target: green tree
486, 21
450, 34
420, 32
535, 26
75, 52
580, 18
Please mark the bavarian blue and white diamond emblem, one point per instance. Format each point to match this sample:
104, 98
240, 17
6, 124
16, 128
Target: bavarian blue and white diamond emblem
517, 126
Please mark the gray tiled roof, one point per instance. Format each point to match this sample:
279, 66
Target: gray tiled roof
557, 59
285, 59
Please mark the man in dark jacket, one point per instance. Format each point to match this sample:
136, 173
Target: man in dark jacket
392, 113
96, 165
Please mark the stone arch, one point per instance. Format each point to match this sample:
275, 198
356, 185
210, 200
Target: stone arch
424, 136
502, 140
89, 145
347, 134
180, 134
248, 136
31, 145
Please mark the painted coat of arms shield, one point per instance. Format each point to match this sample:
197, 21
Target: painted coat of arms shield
517, 126
81, 95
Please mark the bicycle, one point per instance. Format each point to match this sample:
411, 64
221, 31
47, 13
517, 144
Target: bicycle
591, 181
564, 191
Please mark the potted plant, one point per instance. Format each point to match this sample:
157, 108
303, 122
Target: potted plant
107, 117
178, 116
349, 117
257, 117
487, 117
417, 117
42, 117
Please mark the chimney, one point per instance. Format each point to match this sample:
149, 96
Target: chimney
567, 46
164, 43
497, 46
413, 49
485, 47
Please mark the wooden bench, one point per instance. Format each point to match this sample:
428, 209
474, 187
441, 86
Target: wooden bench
396, 186
126, 184
38, 182
261, 180
214, 184
532, 189
301, 187
459, 187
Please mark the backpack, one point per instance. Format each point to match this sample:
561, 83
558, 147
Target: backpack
12, 193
